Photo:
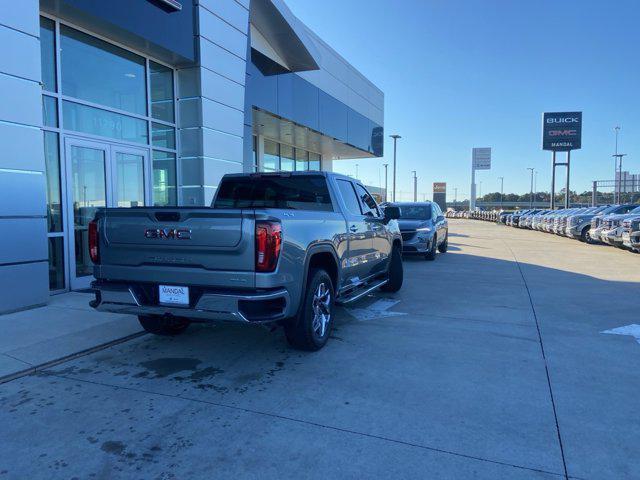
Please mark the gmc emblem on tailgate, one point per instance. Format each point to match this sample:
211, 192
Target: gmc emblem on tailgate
167, 233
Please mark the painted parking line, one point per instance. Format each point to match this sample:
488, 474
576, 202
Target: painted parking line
632, 330
378, 309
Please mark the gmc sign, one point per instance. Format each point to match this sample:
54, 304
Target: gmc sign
562, 131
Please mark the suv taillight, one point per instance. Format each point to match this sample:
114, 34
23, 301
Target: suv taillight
268, 245
94, 240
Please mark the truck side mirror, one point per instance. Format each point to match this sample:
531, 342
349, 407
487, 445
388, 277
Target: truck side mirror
391, 213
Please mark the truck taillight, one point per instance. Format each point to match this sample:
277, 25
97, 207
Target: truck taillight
268, 245
94, 240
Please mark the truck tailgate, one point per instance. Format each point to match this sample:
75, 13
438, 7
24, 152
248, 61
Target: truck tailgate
178, 245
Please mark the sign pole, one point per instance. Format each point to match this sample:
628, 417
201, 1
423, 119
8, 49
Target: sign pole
472, 203
567, 197
553, 182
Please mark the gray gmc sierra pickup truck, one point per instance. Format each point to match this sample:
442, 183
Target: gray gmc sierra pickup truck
277, 248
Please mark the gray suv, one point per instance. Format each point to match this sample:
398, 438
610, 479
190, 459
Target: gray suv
424, 229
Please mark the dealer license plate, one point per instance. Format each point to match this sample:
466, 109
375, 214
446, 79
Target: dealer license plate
173, 295
626, 237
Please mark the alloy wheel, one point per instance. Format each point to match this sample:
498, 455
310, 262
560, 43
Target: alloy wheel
321, 310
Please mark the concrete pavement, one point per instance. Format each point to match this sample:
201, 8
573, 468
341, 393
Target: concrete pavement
497, 369
65, 327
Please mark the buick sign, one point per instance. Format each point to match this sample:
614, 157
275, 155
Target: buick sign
562, 131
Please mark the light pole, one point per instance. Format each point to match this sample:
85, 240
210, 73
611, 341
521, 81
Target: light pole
395, 150
386, 178
415, 186
480, 193
455, 195
535, 185
501, 191
357, 170
618, 171
531, 194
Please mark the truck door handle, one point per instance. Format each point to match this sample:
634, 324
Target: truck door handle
353, 228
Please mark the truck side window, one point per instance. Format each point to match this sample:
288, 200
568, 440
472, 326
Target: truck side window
368, 204
349, 197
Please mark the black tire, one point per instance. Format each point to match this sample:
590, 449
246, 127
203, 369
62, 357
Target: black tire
444, 246
586, 235
431, 254
163, 325
395, 273
303, 332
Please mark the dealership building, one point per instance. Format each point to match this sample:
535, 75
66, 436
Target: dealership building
126, 103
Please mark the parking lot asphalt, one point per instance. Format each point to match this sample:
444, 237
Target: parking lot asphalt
489, 363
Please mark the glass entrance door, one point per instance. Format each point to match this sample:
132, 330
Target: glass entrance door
99, 175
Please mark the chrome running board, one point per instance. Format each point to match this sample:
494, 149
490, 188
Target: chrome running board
361, 293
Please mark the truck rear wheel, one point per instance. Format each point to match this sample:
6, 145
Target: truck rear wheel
395, 273
310, 328
163, 325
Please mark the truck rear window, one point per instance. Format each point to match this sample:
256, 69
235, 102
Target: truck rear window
309, 192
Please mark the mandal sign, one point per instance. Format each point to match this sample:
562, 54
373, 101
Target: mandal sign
562, 131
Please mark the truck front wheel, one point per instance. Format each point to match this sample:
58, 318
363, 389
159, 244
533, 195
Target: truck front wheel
395, 275
163, 325
310, 328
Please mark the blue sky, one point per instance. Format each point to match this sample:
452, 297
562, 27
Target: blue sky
463, 73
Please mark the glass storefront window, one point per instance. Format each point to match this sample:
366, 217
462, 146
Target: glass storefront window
163, 136
54, 198
164, 179
271, 156
314, 161
48, 54
95, 121
130, 180
287, 162
302, 160
49, 111
56, 263
161, 85
98, 72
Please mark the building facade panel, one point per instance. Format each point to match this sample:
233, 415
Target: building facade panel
231, 11
20, 54
22, 16
20, 101
23, 285
221, 33
23, 274
222, 61
21, 147
24, 244
22, 193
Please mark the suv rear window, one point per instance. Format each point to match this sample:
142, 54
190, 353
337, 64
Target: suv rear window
308, 192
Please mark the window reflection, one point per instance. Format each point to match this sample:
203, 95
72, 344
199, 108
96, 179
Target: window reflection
116, 77
95, 121
52, 165
302, 160
164, 179
48, 54
163, 136
271, 156
287, 162
314, 161
161, 85
129, 180
56, 263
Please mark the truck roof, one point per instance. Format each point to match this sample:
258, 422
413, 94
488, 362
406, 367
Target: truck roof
290, 174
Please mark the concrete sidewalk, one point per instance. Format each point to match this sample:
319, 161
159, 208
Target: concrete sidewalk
66, 327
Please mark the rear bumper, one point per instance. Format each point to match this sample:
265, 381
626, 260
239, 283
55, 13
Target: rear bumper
246, 307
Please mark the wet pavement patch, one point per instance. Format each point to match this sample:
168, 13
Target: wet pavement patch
165, 367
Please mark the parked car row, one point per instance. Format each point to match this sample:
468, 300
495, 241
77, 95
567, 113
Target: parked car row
616, 225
